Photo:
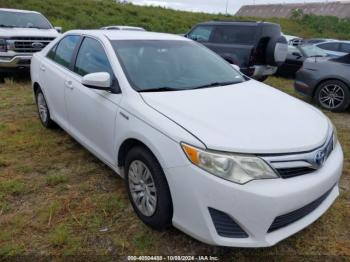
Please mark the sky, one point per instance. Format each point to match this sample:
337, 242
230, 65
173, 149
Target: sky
211, 6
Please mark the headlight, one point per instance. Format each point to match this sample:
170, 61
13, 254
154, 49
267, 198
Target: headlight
3, 45
236, 168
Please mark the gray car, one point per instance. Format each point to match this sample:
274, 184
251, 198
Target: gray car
327, 81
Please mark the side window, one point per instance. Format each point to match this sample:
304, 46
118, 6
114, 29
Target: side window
201, 33
234, 35
345, 48
329, 46
91, 58
51, 54
65, 49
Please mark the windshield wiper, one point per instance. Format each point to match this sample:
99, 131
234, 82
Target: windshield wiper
317, 56
160, 89
36, 27
7, 26
214, 84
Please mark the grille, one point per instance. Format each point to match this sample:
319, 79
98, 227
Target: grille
27, 44
298, 164
294, 171
287, 219
225, 226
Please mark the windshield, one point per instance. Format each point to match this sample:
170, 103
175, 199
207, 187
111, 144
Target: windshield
173, 65
23, 20
312, 51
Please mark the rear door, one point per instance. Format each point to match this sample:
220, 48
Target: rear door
92, 113
54, 70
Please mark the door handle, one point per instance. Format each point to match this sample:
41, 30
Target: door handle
42, 68
69, 84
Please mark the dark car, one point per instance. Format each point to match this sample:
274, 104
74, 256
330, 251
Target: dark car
296, 57
327, 81
256, 47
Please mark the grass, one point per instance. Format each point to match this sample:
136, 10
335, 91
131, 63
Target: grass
58, 200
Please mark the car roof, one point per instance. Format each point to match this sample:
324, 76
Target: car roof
18, 10
123, 27
334, 41
128, 35
236, 22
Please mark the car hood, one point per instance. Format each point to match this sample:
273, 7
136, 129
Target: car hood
249, 117
28, 32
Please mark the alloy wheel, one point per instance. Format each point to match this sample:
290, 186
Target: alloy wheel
142, 188
42, 108
331, 96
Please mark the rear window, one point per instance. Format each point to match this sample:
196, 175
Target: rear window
201, 33
271, 30
63, 52
234, 34
329, 46
345, 48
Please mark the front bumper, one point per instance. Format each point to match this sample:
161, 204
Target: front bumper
15, 62
303, 88
253, 206
259, 71
264, 70
305, 82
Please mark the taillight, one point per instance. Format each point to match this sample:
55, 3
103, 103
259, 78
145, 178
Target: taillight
3, 45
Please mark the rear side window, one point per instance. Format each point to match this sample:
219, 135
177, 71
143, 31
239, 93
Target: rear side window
91, 58
234, 35
64, 50
201, 33
329, 46
51, 54
345, 48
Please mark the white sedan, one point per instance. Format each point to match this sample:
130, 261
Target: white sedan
226, 159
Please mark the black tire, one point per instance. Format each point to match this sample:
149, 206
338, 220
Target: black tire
262, 78
342, 91
161, 219
276, 51
45, 121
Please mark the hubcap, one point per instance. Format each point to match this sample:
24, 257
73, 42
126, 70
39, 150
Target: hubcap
331, 96
142, 188
42, 107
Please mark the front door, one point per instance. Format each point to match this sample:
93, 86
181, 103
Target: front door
54, 70
92, 113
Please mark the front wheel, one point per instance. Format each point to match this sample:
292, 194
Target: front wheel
148, 189
333, 95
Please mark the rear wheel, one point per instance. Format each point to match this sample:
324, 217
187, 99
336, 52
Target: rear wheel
43, 110
262, 78
148, 189
333, 95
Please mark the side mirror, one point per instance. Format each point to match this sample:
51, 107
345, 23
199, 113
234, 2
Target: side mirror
58, 29
236, 67
100, 81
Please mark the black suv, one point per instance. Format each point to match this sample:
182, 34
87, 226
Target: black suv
258, 48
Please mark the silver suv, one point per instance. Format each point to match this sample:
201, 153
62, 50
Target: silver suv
22, 33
